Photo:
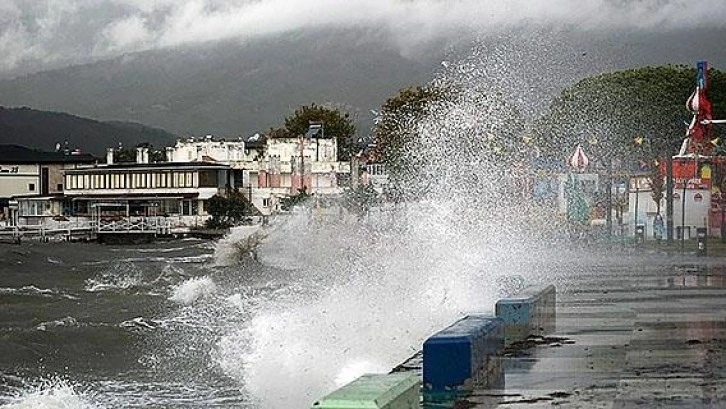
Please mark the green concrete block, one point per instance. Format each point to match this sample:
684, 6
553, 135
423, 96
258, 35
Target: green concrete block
375, 391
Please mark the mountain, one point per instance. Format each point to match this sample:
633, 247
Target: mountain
236, 88
43, 130
228, 88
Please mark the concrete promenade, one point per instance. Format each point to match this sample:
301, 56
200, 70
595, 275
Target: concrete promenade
650, 336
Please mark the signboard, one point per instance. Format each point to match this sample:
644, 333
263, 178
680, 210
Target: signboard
692, 183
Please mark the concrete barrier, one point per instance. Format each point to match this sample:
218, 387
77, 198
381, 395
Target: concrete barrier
531, 312
375, 391
463, 356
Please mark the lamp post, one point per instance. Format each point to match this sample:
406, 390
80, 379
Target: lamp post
683, 214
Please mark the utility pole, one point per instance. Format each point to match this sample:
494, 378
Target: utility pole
669, 199
609, 198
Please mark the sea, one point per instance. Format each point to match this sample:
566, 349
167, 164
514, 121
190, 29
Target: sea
193, 323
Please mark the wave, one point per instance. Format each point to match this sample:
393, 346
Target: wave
49, 394
193, 289
121, 276
240, 242
139, 323
362, 297
63, 322
31, 290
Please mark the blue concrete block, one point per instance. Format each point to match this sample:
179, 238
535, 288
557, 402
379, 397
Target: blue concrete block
461, 355
528, 313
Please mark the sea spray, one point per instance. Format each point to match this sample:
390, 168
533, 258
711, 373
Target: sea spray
50, 394
239, 242
363, 300
193, 289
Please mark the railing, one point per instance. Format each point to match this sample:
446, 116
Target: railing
64, 231
148, 225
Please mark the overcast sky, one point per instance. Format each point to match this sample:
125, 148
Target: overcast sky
38, 34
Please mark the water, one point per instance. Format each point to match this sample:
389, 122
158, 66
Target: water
186, 325
195, 324
192, 324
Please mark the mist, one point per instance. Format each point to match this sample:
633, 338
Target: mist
46, 34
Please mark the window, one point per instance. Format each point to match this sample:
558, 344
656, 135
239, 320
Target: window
266, 202
31, 187
59, 187
169, 206
208, 178
189, 207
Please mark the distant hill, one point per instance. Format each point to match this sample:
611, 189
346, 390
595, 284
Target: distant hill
237, 88
43, 130
228, 88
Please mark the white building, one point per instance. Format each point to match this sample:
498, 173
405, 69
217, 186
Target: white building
177, 191
208, 149
36, 176
269, 169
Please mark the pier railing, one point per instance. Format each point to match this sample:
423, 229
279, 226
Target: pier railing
147, 225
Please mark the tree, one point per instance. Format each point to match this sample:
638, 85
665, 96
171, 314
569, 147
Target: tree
122, 154
288, 203
394, 128
615, 108
228, 211
424, 133
335, 124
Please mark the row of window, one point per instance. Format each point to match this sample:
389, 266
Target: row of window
150, 180
161, 207
34, 208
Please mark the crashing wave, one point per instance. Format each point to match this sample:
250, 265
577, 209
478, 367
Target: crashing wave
193, 289
53, 394
241, 241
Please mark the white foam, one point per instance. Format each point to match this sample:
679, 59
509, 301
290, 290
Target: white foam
193, 289
32, 290
368, 295
120, 276
51, 395
63, 322
238, 242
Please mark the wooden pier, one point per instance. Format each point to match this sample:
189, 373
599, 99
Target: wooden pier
42, 233
120, 229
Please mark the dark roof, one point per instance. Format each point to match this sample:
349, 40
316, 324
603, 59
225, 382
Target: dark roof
10, 153
153, 165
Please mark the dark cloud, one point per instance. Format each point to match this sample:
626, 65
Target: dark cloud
52, 33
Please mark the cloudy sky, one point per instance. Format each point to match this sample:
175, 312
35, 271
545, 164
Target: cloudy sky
42, 34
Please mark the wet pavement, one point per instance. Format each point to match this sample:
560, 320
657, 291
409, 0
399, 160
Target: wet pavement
650, 337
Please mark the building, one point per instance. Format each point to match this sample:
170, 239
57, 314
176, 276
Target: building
35, 177
698, 198
269, 169
176, 191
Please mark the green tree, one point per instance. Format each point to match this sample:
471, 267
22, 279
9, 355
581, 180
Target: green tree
288, 203
394, 129
615, 108
336, 124
426, 132
229, 210
122, 154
